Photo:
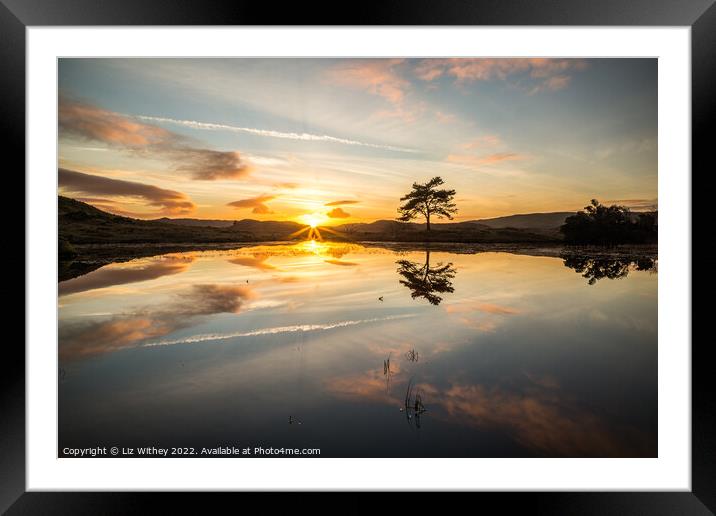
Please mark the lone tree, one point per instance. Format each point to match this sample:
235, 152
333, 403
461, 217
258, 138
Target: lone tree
427, 200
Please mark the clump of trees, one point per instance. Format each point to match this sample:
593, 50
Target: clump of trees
427, 200
600, 267
600, 224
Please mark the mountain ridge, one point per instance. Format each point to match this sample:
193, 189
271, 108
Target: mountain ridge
81, 223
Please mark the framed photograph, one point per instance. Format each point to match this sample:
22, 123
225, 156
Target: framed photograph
426, 249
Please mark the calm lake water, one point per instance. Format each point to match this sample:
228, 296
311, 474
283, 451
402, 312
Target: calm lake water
363, 352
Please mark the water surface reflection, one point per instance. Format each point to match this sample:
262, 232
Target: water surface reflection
482, 354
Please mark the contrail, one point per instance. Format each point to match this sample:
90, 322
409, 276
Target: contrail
273, 134
272, 331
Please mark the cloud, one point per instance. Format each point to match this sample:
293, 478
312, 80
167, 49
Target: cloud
558, 82
257, 203
88, 122
80, 341
548, 74
169, 201
479, 161
340, 203
487, 140
206, 126
627, 147
445, 118
93, 123
338, 213
342, 263
542, 419
257, 261
205, 164
536, 414
376, 76
213, 299
481, 307
88, 339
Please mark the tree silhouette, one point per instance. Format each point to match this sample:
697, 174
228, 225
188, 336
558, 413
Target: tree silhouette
599, 224
425, 281
596, 268
427, 200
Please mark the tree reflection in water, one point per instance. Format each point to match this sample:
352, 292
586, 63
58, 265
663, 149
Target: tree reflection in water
426, 281
596, 268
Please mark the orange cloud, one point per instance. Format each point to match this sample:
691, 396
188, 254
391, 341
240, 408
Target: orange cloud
488, 140
550, 74
338, 213
256, 203
106, 336
543, 420
487, 160
376, 76
80, 120
257, 261
489, 308
537, 415
98, 124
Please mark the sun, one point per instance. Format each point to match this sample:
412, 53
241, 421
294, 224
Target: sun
313, 219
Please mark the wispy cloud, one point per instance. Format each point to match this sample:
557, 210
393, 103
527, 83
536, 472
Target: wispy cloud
207, 126
627, 147
88, 122
340, 203
342, 263
169, 201
274, 331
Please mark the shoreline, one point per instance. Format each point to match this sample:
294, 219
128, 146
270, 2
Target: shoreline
93, 256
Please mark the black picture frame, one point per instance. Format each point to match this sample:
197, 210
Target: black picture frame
17, 15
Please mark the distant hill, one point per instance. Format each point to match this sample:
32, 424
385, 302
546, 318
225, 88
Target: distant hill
383, 226
80, 223
248, 225
528, 220
214, 223
458, 232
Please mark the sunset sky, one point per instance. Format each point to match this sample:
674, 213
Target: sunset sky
340, 140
